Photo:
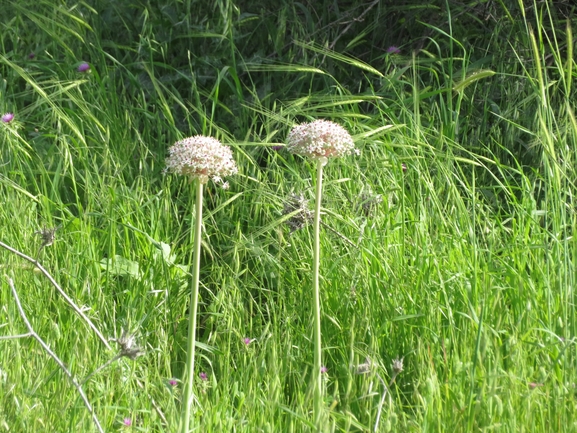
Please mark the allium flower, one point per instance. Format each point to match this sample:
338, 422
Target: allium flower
203, 375
201, 157
320, 139
7, 118
393, 50
83, 67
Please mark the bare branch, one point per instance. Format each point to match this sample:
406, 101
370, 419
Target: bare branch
14, 337
54, 356
59, 290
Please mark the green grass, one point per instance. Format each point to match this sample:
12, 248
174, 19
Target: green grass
465, 270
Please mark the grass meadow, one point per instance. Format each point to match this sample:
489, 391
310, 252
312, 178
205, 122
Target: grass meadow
447, 244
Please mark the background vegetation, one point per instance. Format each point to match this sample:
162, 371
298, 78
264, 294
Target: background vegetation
450, 240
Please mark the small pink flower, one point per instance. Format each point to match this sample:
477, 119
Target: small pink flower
127, 422
246, 341
83, 67
393, 50
534, 385
7, 118
324, 369
203, 375
173, 382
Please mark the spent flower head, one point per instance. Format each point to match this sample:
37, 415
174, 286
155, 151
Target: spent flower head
201, 157
320, 139
397, 365
365, 367
7, 117
47, 235
128, 345
303, 216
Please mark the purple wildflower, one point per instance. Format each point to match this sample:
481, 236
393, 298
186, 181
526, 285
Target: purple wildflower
246, 341
83, 67
203, 375
7, 118
324, 369
127, 422
277, 148
173, 382
31, 56
393, 50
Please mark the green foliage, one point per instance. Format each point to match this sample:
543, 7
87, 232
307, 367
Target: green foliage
461, 261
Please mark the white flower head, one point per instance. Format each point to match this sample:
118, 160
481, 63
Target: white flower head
201, 157
320, 139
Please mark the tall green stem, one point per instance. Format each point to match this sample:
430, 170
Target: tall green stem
318, 391
187, 398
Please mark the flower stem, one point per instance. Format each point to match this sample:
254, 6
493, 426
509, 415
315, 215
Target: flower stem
317, 396
187, 397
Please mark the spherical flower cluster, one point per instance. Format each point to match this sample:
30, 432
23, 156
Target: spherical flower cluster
83, 67
201, 157
7, 117
320, 139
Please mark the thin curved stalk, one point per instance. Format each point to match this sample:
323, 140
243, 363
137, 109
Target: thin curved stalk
67, 298
53, 355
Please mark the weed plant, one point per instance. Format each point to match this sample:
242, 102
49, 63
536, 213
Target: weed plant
447, 250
